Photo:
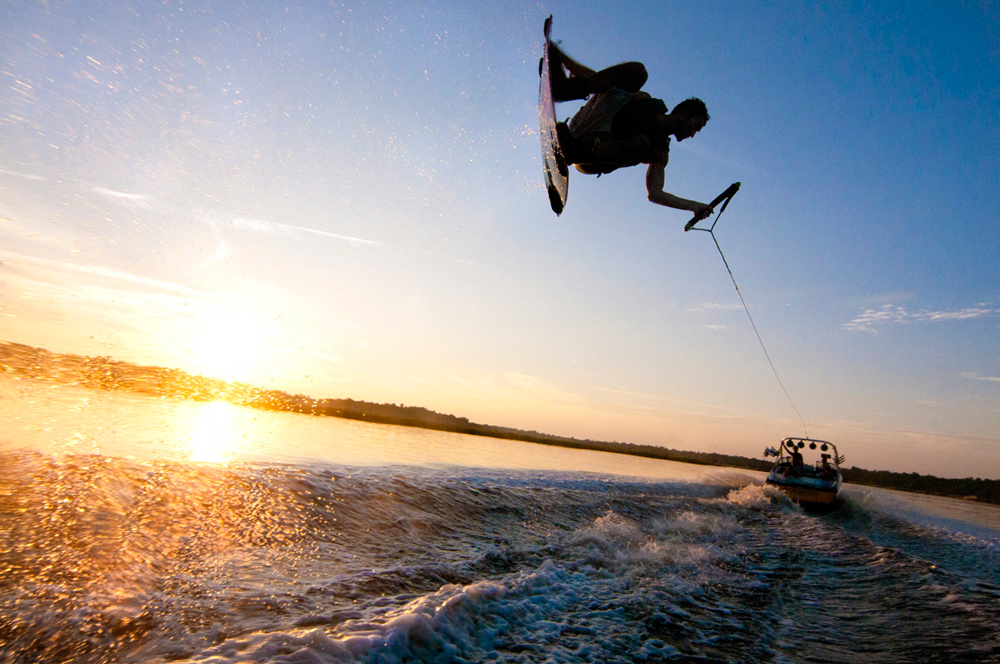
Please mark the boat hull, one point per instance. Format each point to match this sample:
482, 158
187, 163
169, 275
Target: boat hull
806, 494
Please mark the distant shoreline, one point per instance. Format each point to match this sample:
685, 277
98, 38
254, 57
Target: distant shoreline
104, 373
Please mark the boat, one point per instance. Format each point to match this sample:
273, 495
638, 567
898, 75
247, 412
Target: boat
814, 485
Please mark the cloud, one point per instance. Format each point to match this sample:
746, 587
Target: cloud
290, 230
263, 227
627, 393
95, 297
274, 227
974, 376
26, 176
538, 388
123, 198
713, 306
717, 409
269, 228
877, 299
961, 314
48, 270
871, 319
221, 252
52, 301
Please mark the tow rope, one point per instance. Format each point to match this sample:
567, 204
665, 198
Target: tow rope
727, 196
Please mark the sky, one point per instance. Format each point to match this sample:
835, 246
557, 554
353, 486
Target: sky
345, 200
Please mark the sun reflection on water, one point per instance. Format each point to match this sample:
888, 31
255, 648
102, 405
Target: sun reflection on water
213, 438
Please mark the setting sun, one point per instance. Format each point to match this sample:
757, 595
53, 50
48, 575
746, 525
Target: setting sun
230, 347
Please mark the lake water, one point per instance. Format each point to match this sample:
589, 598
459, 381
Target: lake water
136, 529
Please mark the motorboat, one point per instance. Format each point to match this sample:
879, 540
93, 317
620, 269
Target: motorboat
809, 485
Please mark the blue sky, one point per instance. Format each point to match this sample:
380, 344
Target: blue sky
345, 200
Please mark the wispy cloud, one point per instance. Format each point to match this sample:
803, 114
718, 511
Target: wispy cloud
285, 230
974, 376
279, 229
961, 314
538, 388
123, 198
508, 386
164, 320
93, 299
871, 319
627, 393
665, 400
713, 306
222, 251
271, 228
26, 176
878, 299
45, 269
289, 230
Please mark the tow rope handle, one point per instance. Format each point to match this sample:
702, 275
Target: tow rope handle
726, 196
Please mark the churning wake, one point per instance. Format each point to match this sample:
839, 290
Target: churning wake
105, 559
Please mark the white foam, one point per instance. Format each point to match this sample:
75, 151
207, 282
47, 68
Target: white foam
455, 620
758, 496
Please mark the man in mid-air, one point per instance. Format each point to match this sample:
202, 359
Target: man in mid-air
622, 126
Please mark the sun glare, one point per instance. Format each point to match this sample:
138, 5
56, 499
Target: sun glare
230, 348
213, 436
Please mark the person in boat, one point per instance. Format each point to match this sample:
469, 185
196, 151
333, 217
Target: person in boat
622, 126
827, 471
797, 463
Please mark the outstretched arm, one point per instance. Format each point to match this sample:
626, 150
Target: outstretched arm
655, 178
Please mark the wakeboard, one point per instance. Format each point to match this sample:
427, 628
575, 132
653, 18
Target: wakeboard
556, 169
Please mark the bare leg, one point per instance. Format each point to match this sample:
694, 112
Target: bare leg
575, 68
584, 81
